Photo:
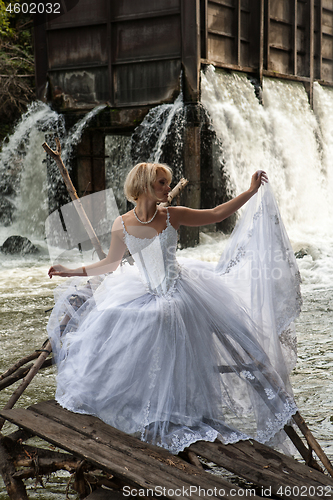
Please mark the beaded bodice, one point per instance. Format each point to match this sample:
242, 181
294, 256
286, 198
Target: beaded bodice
156, 258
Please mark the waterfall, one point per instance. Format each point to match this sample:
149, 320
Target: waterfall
75, 133
118, 163
291, 142
158, 151
159, 138
23, 179
23, 176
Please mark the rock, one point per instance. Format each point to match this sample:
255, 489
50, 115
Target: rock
7, 209
18, 245
301, 253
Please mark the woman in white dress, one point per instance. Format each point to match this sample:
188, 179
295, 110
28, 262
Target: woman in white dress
176, 352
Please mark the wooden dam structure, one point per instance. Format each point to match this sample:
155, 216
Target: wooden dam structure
133, 55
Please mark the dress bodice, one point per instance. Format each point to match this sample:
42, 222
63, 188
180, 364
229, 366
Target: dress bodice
156, 258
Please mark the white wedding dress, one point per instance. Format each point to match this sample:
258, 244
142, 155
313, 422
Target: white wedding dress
176, 352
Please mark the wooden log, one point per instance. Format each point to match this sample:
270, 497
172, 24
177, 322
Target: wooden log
191, 458
56, 155
14, 486
175, 192
45, 467
21, 373
26, 381
267, 468
18, 364
103, 494
18, 436
313, 443
305, 452
127, 458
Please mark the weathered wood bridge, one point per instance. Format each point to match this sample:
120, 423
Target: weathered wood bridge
134, 468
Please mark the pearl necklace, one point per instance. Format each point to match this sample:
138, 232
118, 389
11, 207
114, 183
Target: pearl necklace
148, 221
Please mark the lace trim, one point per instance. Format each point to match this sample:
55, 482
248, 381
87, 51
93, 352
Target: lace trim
233, 262
280, 420
178, 444
241, 250
145, 422
288, 339
168, 224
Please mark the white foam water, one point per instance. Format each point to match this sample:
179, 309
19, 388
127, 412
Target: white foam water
292, 143
22, 164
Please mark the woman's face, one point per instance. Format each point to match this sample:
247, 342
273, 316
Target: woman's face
161, 186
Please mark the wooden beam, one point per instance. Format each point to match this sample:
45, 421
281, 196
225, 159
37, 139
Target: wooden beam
238, 31
311, 49
204, 28
190, 36
294, 34
268, 23
320, 34
136, 463
265, 467
261, 40
313, 444
109, 53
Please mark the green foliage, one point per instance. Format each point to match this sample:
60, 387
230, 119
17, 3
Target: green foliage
16, 66
5, 28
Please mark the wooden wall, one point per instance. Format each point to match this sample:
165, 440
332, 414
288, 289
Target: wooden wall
279, 38
131, 52
125, 52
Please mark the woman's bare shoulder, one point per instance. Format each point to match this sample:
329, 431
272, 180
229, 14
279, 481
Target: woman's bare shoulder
174, 213
127, 217
118, 223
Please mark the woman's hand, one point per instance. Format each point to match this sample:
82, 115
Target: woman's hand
258, 178
59, 270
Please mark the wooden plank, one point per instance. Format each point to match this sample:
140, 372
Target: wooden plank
238, 31
267, 468
103, 494
294, 37
135, 462
190, 44
261, 40
320, 41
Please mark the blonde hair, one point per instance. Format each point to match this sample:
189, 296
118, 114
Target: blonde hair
142, 177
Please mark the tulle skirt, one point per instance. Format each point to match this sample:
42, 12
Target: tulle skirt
209, 360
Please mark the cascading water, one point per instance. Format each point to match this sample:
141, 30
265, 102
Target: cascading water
23, 175
294, 145
159, 138
285, 138
23, 179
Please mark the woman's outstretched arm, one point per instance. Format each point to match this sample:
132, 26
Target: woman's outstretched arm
183, 216
107, 265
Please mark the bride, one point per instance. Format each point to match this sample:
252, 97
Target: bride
180, 351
